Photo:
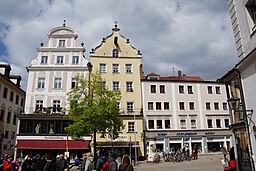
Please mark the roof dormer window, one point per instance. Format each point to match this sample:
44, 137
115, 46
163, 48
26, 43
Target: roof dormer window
61, 43
115, 53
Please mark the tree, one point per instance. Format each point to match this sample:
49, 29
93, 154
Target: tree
93, 108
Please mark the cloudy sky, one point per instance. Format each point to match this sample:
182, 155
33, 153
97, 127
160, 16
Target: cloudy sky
194, 36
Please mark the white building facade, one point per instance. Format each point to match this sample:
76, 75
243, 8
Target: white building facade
184, 111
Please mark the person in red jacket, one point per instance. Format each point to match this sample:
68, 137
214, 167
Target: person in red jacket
8, 163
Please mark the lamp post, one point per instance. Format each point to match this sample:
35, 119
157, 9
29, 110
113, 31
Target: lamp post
234, 104
89, 66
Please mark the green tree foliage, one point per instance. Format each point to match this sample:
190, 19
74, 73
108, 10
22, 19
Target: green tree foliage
93, 108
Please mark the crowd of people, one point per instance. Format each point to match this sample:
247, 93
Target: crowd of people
103, 162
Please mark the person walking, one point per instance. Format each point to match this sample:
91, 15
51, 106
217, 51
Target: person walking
126, 164
89, 165
8, 163
113, 165
101, 160
62, 164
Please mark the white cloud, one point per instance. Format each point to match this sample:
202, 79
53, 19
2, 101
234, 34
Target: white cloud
194, 36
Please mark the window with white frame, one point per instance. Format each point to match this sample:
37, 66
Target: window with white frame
226, 121
118, 105
181, 89
151, 124
153, 88
190, 90
193, 123
208, 106
57, 83
41, 83
44, 59
39, 105
217, 90
56, 106
166, 105
103, 68
104, 85
218, 123
167, 124
159, 124
209, 88
61, 43
115, 68
129, 86
116, 86
115, 53
74, 83
162, 88
75, 59
128, 68
59, 60
209, 123
182, 105
191, 105
129, 106
183, 124
131, 127
225, 106
251, 13
150, 106
158, 106
216, 105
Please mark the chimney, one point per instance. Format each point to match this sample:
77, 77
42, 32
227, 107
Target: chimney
179, 73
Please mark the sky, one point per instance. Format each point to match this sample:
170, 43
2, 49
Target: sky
194, 36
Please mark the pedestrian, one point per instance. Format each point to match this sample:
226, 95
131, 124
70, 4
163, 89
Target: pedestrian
50, 164
27, 163
196, 152
101, 160
15, 166
113, 165
89, 165
126, 164
61, 164
39, 163
8, 163
83, 162
225, 152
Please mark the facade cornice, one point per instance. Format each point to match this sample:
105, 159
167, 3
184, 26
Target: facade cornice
77, 49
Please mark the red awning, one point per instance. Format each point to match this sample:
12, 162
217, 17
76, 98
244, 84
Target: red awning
51, 144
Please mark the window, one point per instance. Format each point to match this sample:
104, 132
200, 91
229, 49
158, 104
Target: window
190, 90
104, 85
225, 106
181, 89
11, 96
217, 90
22, 102
9, 114
162, 88
41, 83
17, 99
209, 123
5, 92
182, 106
115, 68
59, 60
193, 123
44, 59
151, 124
57, 83
183, 124
218, 124
158, 105
2, 115
251, 9
75, 60
115, 53
166, 106
61, 43
14, 119
150, 106
118, 105
209, 88
116, 86
226, 123
153, 88
129, 86
131, 127
159, 124
39, 105
191, 105
167, 124
56, 106
216, 106
128, 68
208, 106
74, 83
102, 68
129, 106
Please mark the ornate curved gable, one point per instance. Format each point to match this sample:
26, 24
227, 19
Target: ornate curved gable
115, 45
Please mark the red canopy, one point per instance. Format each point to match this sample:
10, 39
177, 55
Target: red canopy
51, 144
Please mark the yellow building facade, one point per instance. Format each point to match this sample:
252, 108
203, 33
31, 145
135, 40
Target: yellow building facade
120, 66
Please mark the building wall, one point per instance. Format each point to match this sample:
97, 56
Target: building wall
199, 133
9, 109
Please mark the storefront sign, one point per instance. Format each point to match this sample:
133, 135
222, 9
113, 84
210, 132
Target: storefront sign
161, 134
186, 133
54, 138
210, 133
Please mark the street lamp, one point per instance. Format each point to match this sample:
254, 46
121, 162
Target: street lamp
234, 104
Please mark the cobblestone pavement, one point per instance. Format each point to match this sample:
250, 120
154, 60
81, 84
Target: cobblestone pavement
204, 163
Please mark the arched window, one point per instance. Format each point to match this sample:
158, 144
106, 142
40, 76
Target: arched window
115, 53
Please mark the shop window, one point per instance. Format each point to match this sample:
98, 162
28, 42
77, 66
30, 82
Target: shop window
151, 124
